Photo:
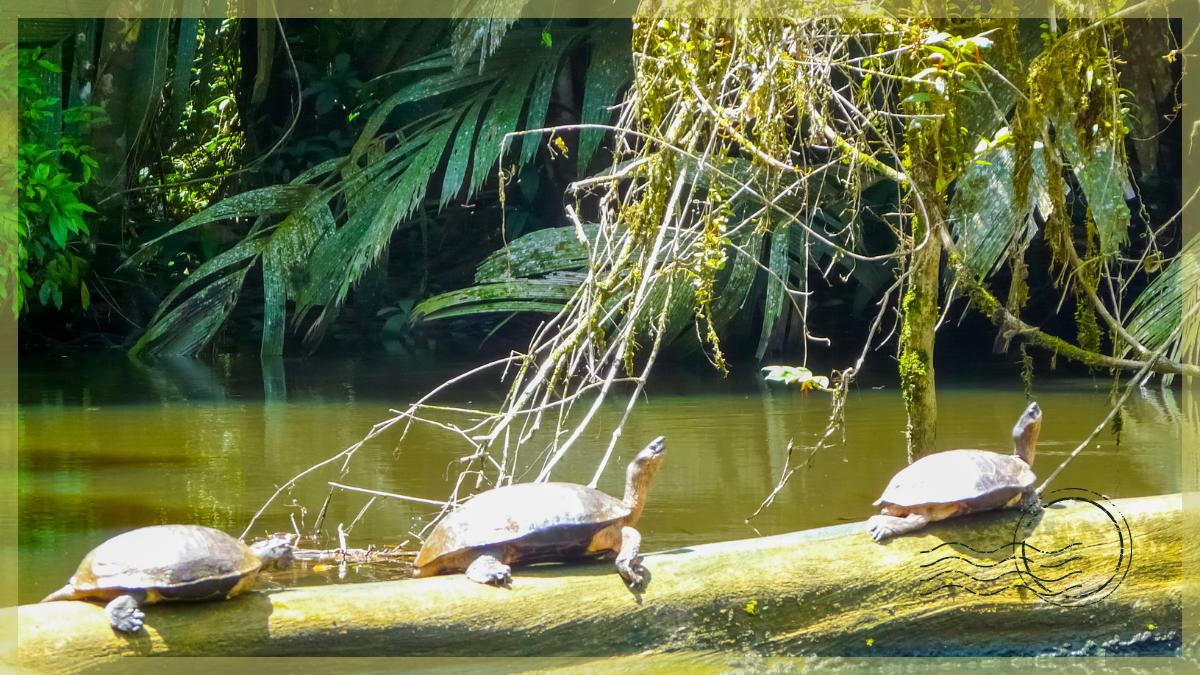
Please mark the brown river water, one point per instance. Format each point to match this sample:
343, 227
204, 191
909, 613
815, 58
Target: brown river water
106, 445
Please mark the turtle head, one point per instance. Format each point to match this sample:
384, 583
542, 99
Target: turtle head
641, 473
275, 551
1025, 433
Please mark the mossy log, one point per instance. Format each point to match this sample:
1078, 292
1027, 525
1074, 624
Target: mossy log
1086, 571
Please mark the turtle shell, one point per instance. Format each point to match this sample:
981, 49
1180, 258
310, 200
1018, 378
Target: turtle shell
977, 477
178, 561
554, 518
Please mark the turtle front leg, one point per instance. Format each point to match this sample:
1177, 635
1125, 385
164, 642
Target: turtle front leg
487, 569
1030, 502
629, 560
882, 527
124, 615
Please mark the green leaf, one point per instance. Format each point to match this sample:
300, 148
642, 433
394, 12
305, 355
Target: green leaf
917, 97
483, 33
786, 374
284, 257
58, 229
185, 54
502, 296
539, 101
610, 68
541, 252
780, 267
250, 204
222, 265
460, 154
190, 325
85, 296
1103, 175
426, 87
734, 288
496, 307
339, 261
500, 119
274, 308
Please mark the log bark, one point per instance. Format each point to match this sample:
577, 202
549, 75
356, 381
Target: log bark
959, 587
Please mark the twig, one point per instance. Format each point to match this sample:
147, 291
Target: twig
389, 495
784, 476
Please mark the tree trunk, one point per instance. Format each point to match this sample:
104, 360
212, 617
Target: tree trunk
959, 587
919, 313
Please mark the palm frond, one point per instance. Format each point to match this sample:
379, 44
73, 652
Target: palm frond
1103, 175
984, 215
544, 295
541, 252
518, 274
780, 267
1156, 312
460, 154
539, 102
609, 70
313, 260
289, 246
481, 33
501, 118
182, 329
341, 258
267, 201
735, 286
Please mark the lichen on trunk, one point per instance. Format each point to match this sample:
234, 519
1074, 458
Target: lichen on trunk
919, 314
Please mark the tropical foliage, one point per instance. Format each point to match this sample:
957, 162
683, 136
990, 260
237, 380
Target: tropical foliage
52, 169
274, 172
431, 121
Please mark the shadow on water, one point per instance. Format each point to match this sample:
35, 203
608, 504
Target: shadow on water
51, 459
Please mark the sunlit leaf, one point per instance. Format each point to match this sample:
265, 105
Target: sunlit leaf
986, 220
780, 267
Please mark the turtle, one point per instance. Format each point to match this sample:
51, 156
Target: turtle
527, 523
165, 563
958, 482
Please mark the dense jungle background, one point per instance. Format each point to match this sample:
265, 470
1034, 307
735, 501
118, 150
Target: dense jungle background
195, 186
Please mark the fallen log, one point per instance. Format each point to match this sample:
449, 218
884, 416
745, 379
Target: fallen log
1083, 572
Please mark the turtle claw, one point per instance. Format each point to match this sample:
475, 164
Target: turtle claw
878, 528
498, 578
124, 615
633, 572
490, 571
882, 526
